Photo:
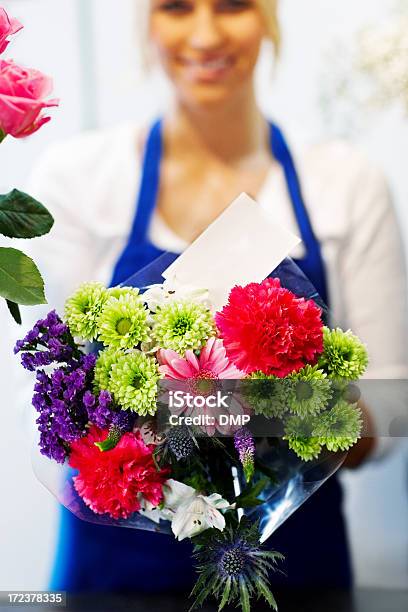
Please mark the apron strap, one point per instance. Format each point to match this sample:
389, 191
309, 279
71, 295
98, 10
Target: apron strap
150, 183
312, 264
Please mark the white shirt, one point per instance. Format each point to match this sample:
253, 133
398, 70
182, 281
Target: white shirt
91, 183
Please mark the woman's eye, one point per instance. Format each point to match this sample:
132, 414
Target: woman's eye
175, 6
234, 5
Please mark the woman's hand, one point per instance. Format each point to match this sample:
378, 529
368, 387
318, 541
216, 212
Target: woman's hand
361, 451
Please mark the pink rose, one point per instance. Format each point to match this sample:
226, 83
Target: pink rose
22, 99
8, 27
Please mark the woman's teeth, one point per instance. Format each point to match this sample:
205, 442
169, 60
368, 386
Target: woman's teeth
210, 64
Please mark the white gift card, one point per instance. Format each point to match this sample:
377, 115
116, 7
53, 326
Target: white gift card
244, 244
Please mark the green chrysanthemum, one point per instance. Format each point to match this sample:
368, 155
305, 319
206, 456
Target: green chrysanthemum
83, 308
103, 368
266, 395
344, 356
340, 427
182, 325
133, 382
299, 432
117, 292
309, 391
123, 322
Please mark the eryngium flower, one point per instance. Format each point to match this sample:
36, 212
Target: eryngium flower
301, 437
123, 322
180, 442
340, 427
265, 394
133, 382
83, 308
344, 356
182, 325
233, 567
309, 391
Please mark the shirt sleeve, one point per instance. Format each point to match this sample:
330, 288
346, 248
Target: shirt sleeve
64, 256
373, 285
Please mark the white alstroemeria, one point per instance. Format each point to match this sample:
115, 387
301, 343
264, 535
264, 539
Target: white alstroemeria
174, 495
198, 514
171, 291
154, 513
190, 512
193, 512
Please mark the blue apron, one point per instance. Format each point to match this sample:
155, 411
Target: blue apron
98, 558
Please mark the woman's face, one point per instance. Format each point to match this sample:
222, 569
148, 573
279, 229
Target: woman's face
208, 48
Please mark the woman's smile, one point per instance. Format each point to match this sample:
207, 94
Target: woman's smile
207, 69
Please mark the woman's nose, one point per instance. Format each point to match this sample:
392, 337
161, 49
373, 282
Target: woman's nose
205, 33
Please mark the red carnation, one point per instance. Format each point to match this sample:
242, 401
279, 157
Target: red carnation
266, 328
113, 481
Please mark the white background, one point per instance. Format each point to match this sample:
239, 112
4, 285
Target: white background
90, 48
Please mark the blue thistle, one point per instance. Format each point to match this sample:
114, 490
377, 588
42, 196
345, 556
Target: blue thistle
233, 567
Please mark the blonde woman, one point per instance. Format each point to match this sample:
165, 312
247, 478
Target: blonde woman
121, 197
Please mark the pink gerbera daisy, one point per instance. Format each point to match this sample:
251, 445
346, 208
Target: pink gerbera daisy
212, 363
202, 374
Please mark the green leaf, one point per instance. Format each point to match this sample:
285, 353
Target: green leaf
244, 596
268, 595
249, 496
226, 594
21, 216
20, 280
15, 311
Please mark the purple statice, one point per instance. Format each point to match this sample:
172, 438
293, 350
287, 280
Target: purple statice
103, 413
50, 341
245, 445
59, 397
99, 408
123, 420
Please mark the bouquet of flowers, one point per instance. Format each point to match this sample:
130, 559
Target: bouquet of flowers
166, 411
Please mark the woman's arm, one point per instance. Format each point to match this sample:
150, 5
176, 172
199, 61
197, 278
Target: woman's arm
373, 283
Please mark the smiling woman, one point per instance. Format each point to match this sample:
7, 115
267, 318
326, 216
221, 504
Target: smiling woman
123, 196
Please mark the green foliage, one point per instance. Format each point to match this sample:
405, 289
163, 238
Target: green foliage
249, 496
21, 216
14, 311
20, 280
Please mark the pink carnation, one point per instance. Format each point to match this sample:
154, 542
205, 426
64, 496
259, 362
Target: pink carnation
114, 481
23, 94
267, 328
8, 27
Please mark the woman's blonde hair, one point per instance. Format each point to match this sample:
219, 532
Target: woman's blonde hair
269, 9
